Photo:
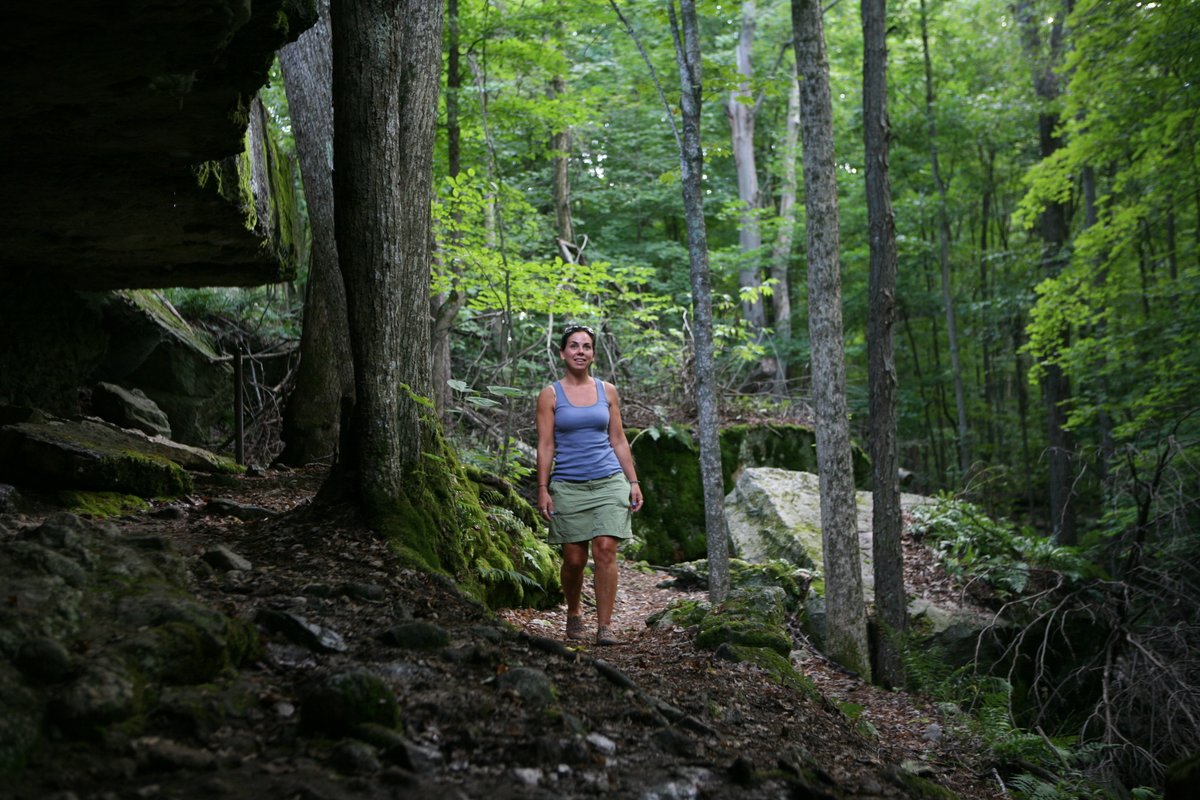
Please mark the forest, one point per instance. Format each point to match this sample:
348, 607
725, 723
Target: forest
1041, 203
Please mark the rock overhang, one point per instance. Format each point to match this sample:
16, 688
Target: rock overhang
108, 113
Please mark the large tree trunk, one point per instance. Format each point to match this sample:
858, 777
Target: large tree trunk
741, 111
891, 600
846, 637
1054, 230
386, 63
960, 403
691, 162
325, 378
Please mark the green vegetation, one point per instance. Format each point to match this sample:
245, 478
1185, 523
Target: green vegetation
1111, 306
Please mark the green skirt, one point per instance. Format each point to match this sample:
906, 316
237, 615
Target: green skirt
587, 509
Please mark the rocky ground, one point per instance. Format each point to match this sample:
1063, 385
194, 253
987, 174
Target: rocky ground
489, 705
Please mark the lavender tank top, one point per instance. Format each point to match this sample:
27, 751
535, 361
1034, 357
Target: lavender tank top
582, 450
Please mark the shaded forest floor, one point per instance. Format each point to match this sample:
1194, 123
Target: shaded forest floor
653, 717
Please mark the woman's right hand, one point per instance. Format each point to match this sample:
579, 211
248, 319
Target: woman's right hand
545, 504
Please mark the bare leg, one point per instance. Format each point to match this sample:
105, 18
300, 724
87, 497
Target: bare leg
575, 556
604, 554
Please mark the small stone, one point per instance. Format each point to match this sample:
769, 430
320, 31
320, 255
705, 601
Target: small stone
225, 560
933, 733
602, 743
528, 776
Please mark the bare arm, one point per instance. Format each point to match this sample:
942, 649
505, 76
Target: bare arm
545, 450
620, 446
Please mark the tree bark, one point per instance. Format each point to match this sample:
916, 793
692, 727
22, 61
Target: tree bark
960, 403
1054, 231
325, 377
741, 111
691, 162
445, 306
386, 64
781, 254
891, 599
846, 639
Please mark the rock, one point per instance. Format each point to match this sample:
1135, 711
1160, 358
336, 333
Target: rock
10, 498
230, 508
300, 631
344, 700
353, 757
533, 686
104, 693
418, 634
953, 630
157, 754
44, 660
129, 408
776, 514
601, 743
222, 559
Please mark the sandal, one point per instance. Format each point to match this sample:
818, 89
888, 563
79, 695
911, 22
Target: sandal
575, 628
605, 636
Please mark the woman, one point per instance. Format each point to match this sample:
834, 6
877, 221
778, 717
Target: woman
593, 487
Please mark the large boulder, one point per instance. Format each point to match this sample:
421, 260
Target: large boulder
95, 455
129, 408
61, 341
776, 514
671, 528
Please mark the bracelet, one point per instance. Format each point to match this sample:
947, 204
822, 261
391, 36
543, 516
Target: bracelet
543, 486
634, 481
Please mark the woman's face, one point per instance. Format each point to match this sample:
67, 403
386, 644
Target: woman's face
579, 352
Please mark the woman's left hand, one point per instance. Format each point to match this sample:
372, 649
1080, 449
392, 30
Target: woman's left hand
635, 497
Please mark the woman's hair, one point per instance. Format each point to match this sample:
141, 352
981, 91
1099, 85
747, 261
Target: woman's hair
570, 329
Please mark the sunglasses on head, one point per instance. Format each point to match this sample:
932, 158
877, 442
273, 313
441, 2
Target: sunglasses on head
577, 328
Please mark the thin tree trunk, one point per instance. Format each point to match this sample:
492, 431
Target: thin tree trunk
386, 63
691, 163
891, 599
444, 306
781, 255
960, 403
740, 111
1054, 230
846, 636
325, 377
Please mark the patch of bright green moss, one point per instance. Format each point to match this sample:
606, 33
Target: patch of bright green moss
100, 504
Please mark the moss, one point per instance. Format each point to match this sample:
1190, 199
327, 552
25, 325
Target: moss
146, 475
153, 304
777, 666
442, 524
100, 504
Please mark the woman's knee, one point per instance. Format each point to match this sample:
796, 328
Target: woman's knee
604, 550
575, 556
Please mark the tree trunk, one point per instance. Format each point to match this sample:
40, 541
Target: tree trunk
891, 600
325, 378
1054, 230
960, 403
386, 63
847, 621
691, 163
444, 306
781, 255
741, 111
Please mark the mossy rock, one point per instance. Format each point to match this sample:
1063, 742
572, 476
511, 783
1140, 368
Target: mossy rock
671, 526
752, 617
774, 664
345, 700
101, 504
